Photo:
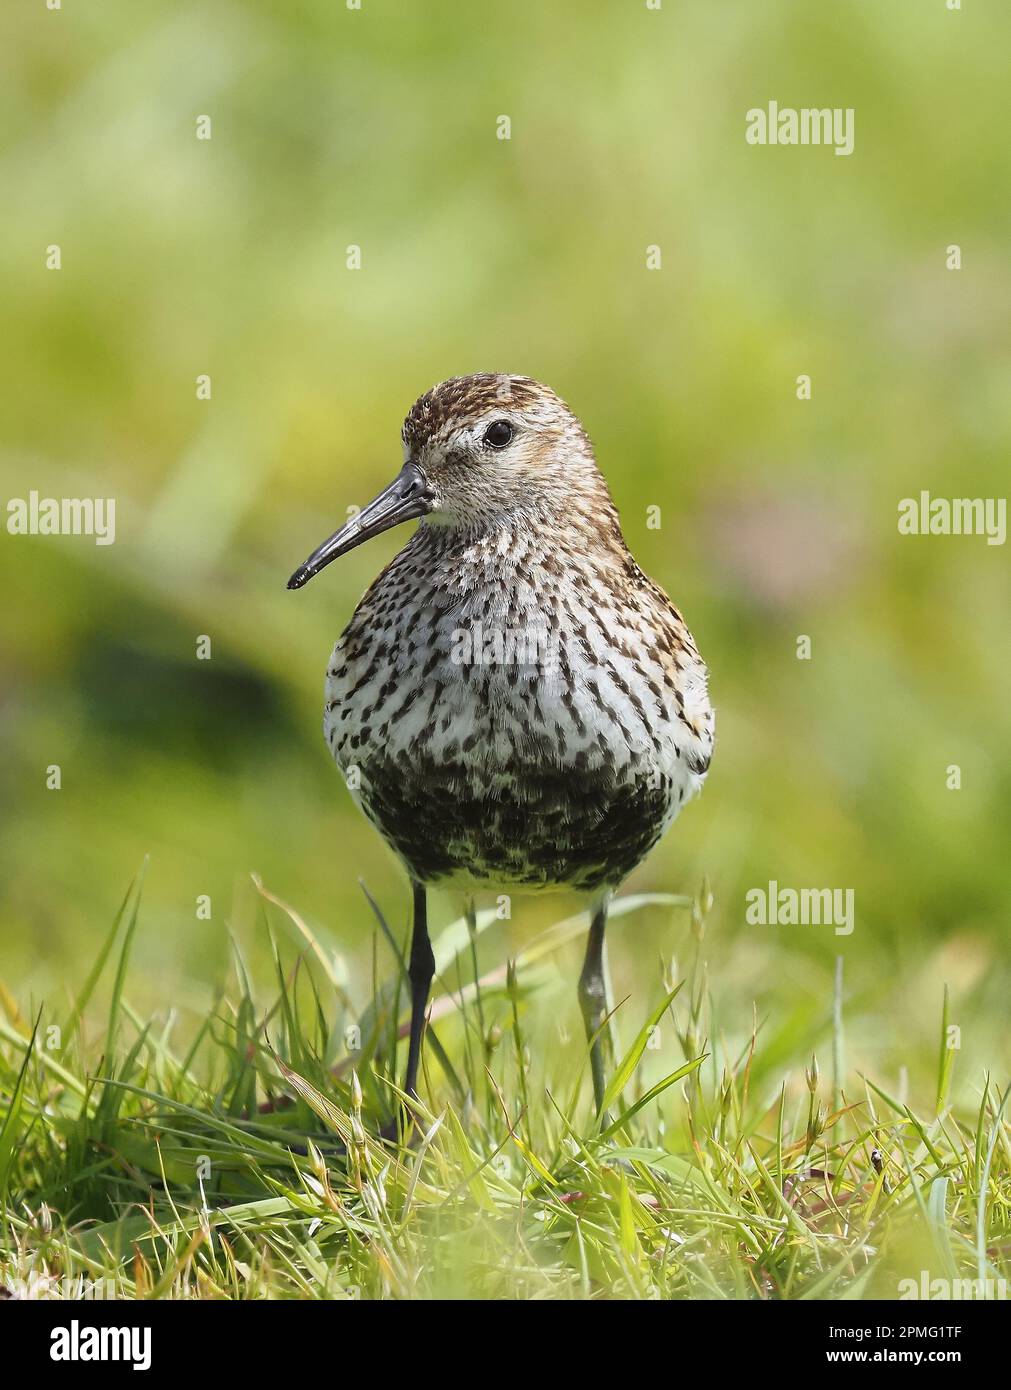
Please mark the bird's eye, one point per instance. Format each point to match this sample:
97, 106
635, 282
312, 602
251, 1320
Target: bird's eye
498, 434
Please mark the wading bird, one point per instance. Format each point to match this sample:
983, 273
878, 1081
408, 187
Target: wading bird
522, 707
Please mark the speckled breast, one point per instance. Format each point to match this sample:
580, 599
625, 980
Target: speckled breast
499, 741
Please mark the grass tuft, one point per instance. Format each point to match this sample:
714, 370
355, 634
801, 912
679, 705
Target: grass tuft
246, 1163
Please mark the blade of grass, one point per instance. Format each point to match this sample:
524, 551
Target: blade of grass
623, 1071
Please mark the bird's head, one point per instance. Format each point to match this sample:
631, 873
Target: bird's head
479, 452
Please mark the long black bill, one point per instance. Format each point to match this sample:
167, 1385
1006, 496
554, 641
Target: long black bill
406, 497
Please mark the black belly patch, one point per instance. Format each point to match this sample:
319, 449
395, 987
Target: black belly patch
540, 826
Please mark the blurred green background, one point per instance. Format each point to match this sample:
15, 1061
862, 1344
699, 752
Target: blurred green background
333, 127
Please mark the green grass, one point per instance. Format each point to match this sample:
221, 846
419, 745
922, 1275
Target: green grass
245, 1163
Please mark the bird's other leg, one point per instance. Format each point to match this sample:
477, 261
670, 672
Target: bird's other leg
593, 1000
420, 970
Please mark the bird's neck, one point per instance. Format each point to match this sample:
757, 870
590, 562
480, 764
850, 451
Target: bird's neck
514, 553
535, 525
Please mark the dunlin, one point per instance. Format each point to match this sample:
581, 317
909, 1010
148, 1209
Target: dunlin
514, 704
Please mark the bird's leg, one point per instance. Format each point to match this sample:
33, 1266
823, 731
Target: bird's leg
593, 1000
420, 970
